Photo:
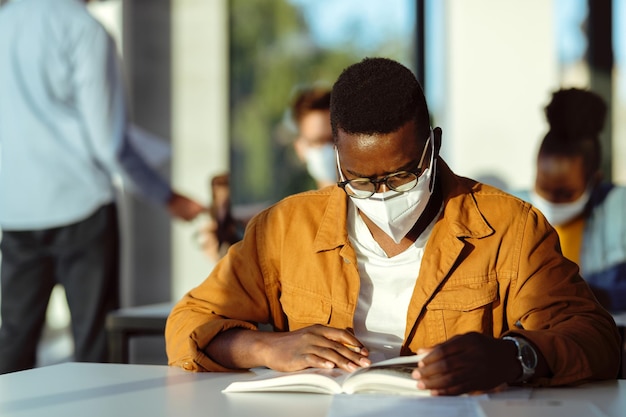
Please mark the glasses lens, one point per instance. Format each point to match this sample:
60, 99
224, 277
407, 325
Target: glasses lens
402, 181
360, 188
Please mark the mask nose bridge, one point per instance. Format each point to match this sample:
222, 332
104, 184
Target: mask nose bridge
381, 186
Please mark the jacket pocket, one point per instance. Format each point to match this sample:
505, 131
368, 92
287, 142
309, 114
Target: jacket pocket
465, 296
304, 308
462, 306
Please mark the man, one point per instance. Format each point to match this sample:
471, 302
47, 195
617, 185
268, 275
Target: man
587, 213
403, 256
63, 138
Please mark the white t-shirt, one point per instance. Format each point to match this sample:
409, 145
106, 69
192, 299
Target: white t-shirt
386, 288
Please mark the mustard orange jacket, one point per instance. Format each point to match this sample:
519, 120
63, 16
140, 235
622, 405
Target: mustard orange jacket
492, 265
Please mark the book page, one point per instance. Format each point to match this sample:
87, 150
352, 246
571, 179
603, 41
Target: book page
411, 359
316, 380
393, 376
393, 379
390, 376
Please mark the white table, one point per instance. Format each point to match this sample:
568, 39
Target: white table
86, 389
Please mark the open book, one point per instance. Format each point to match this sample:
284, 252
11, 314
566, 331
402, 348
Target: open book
392, 376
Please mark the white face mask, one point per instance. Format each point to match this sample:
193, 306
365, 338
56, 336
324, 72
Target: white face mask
558, 214
396, 213
320, 163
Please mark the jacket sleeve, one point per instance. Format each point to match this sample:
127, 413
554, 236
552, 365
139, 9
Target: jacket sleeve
552, 306
209, 309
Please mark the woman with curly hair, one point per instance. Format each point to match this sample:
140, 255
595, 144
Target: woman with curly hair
588, 213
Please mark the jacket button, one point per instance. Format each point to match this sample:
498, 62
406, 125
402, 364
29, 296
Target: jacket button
187, 366
346, 260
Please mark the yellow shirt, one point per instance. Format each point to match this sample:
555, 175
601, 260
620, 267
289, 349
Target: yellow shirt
571, 237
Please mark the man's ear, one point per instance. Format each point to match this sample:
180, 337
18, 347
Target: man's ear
437, 140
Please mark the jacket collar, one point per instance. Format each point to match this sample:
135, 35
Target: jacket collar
333, 231
461, 212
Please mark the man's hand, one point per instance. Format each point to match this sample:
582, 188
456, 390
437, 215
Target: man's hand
316, 347
183, 207
466, 363
208, 240
311, 347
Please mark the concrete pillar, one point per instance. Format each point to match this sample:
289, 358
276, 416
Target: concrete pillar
199, 114
175, 53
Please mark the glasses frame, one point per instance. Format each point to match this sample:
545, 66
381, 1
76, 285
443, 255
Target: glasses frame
376, 182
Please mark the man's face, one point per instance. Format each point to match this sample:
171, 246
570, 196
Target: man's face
314, 131
378, 155
560, 179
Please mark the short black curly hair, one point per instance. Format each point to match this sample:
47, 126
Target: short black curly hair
576, 118
377, 95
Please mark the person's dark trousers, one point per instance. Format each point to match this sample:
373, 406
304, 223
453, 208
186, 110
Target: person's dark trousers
84, 258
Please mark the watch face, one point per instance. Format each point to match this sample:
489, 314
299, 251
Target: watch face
529, 357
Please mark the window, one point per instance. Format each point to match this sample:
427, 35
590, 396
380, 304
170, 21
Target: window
278, 46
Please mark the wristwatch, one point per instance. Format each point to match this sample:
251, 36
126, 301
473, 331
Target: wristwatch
526, 356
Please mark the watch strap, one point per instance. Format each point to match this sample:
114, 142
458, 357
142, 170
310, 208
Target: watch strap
526, 355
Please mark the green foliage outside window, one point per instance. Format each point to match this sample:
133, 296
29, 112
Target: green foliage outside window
271, 53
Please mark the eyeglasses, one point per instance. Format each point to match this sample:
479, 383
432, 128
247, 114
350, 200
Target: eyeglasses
401, 181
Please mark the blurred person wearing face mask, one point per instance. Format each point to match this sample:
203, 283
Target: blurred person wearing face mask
314, 144
310, 114
588, 214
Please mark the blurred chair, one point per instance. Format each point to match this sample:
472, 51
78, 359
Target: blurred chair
132, 324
